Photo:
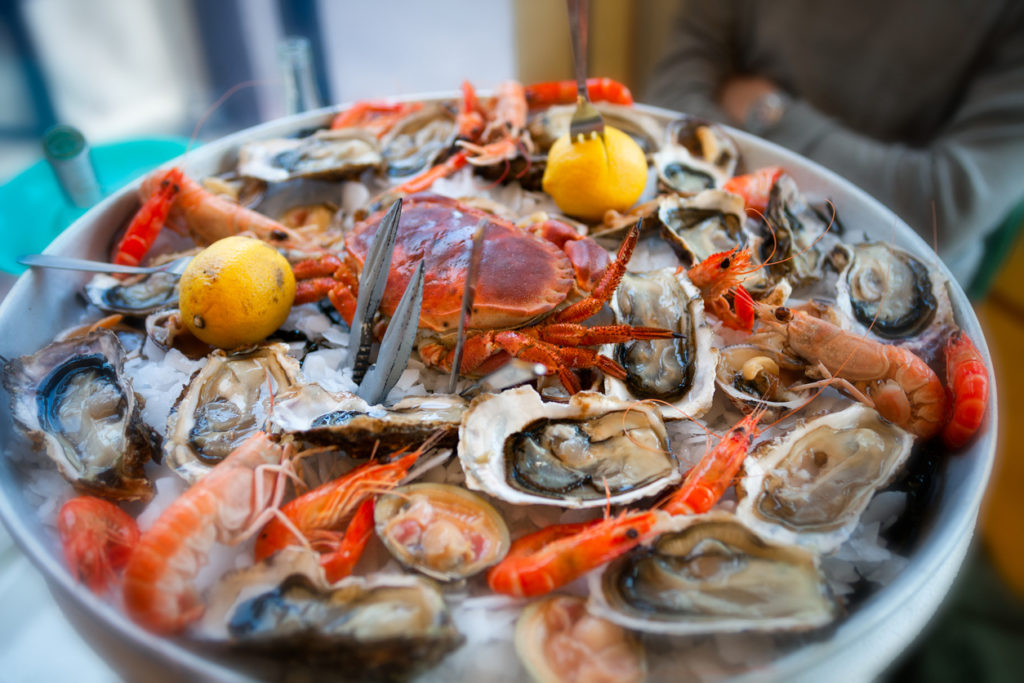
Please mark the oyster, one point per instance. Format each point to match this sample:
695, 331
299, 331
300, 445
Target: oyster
74, 400
328, 154
522, 450
753, 376
710, 573
892, 294
552, 123
680, 372
137, 297
789, 243
418, 140
697, 156
320, 417
557, 640
810, 486
444, 531
382, 626
224, 403
699, 226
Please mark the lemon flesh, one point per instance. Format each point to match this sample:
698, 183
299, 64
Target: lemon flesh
586, 178
236, 292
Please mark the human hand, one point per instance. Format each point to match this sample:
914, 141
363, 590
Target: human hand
739, 93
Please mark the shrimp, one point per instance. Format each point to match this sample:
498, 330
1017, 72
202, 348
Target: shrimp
318, 513
888, 378
721, 274
226, 505
342, 557
708, 480
208, 217
148, 220
564, 92
97, 538
755, 188
502, 136
376, 117
547, 559
967, 380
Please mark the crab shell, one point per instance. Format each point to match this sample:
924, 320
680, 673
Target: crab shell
521, 277
677, 295
810, 486
493, 419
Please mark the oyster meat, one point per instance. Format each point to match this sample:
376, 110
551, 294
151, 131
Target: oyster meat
697, 156
522, 450
329, 154
224, 403
73, 399
792, 232
810, 486
699, 226
137, 297
710, 574
418, 140
444, 531
680, 372
382, 626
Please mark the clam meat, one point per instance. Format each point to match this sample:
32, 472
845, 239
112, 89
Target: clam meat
223, 404
753, 376
712, 574
518, 448
679, 372
558, 640
441, 530
810, 486
74, 400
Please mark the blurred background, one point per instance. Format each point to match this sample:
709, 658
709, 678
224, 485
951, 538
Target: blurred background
150, 70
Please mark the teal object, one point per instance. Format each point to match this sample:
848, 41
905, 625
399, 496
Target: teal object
34, 210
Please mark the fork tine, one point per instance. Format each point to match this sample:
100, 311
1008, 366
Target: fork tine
396, 347
372, 281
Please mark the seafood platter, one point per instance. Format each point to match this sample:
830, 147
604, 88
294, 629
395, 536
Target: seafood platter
739, 428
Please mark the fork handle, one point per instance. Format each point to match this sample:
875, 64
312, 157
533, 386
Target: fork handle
578, 10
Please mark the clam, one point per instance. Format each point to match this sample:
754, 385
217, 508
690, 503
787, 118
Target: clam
697, 156
810, 486
325, 418
557, 640
328, 154
224, 403
753, 376
586, 453
74, 400
712, 574
680, 372
892, 294
443, 531
383, 626
707, 223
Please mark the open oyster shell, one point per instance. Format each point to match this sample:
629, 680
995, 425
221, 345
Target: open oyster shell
223, 404
810, 486
333, 154
699, 226
522, 450
680, 372
697, 155
384, 626
74, 400
893, 296
754, 376
712, 574
137, 298
792, 233
441, 530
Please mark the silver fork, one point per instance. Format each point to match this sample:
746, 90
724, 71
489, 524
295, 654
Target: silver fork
586, 120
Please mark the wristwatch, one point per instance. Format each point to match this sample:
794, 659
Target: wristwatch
765, 113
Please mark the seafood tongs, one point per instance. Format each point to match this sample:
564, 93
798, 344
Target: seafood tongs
395, 348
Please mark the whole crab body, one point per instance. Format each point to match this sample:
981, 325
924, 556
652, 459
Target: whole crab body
534, 287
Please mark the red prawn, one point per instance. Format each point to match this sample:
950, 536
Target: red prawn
967, 382
97, 537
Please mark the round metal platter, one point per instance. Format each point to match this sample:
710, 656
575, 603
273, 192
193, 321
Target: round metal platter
862, 645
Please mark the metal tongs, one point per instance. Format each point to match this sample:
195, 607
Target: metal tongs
396, 347
586, 120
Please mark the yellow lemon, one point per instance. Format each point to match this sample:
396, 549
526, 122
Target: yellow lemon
236, 292
586, 178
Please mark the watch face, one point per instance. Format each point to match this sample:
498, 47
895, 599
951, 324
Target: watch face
766, 111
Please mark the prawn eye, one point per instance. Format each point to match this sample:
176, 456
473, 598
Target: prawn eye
632, 533
725, 264
783, 314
